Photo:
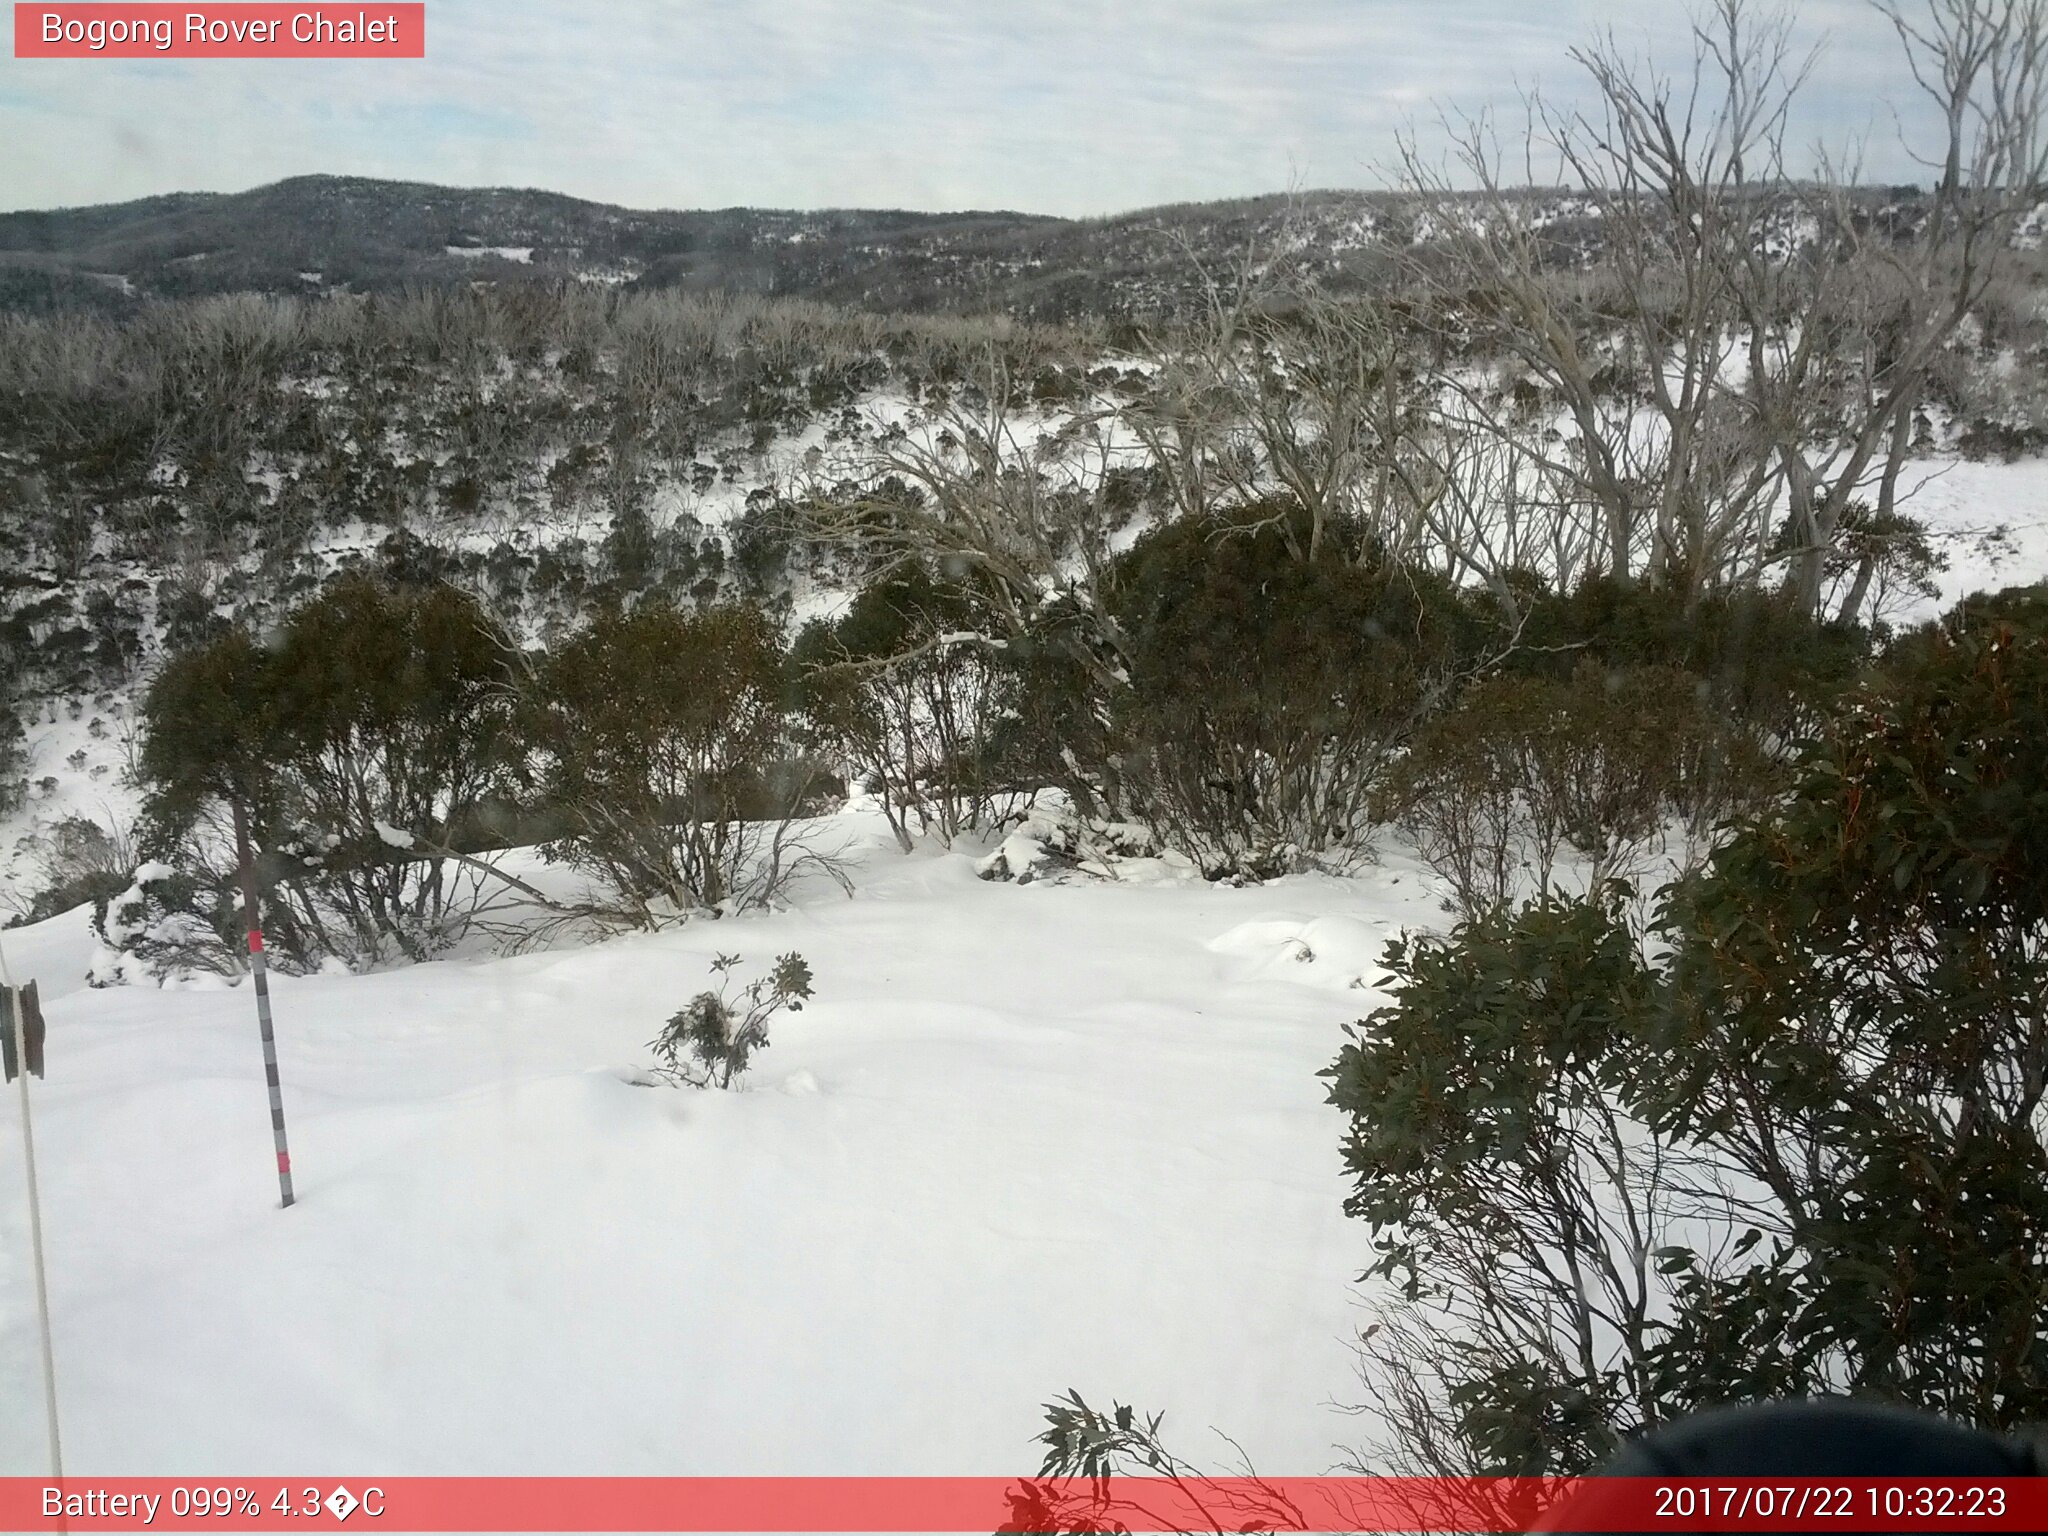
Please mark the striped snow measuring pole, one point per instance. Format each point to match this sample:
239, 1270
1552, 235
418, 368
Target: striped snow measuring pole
261, 975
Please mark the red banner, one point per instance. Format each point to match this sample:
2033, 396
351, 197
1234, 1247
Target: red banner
237, 31
970, 1504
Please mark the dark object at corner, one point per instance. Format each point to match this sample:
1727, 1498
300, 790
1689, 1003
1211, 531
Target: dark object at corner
1823, 1437
31, 1030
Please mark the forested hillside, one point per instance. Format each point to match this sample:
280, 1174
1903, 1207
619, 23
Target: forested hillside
317, 235
553, 447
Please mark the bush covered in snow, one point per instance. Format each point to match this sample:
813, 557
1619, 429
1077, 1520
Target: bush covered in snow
164, 923
1051, 842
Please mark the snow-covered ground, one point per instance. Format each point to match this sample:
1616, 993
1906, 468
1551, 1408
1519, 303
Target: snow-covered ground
1964, 499
1026, 1138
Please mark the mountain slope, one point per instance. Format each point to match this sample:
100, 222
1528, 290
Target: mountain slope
319, 233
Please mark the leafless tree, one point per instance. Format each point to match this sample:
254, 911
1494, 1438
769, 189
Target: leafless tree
1741, 362
980, 485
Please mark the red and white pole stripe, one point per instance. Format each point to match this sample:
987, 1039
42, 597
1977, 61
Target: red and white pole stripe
261, 975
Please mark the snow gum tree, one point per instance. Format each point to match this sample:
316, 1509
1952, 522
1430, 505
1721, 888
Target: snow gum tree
1729, 384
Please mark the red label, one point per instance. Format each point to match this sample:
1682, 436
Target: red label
942, 1504
284, 1162
241, 31
255, 941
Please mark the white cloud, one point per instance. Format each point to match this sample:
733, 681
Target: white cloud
1057, 106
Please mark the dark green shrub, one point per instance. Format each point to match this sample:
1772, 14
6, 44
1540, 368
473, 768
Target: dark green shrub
713, 1040
2024, 610
186, 616
1268, 693
210, 731
13, 739
408, 560
1801, 1153
655, 735
1762, 659
1513, 1202
910, 690
361, 744
395, 707
1864, 977
762, 548
1610, 764
630, 551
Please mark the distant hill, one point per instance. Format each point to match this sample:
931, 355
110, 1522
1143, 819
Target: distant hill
316, 234
328, 234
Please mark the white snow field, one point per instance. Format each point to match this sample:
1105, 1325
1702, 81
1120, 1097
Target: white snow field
1026, 1138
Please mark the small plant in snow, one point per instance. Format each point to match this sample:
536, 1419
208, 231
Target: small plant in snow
710, 1042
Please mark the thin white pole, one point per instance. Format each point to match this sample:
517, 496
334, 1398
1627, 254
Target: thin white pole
35, 1220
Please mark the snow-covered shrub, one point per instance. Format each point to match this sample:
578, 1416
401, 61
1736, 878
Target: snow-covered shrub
658, 741
1051, 842
1023, 857
164, 923
710, 1042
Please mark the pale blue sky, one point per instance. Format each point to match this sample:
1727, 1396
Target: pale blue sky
1054, 106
